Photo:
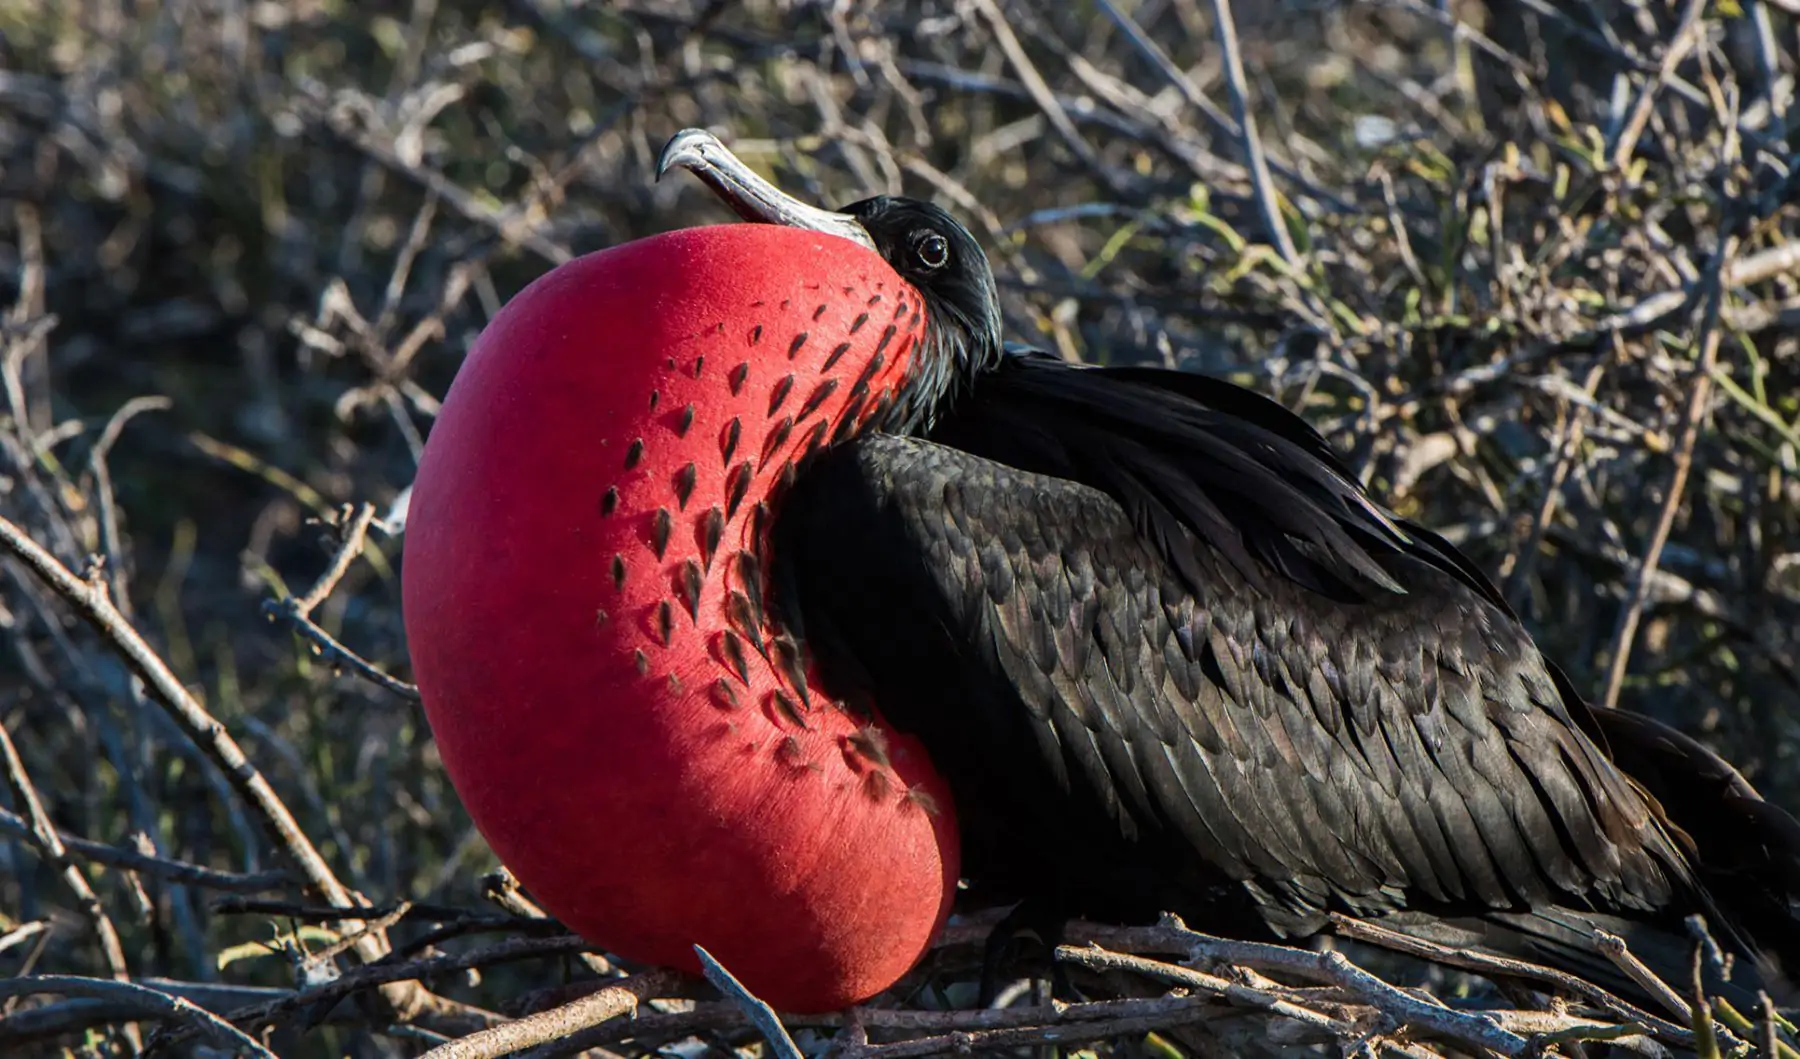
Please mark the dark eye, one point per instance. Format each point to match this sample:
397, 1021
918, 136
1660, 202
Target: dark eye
932, 250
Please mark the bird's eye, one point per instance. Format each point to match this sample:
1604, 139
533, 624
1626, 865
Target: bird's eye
932, 250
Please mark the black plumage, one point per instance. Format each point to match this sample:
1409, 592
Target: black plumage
1171, 657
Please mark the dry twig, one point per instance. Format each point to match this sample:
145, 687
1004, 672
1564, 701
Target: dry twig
143, 1002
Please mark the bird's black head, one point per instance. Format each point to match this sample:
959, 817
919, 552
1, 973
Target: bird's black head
939, 257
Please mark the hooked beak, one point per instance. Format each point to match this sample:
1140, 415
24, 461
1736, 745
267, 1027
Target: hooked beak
753, 198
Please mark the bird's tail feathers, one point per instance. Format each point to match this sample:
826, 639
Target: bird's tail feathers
1742, 854
1745, 850
1567, 939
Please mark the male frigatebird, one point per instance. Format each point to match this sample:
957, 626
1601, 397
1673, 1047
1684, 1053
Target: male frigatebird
752, 580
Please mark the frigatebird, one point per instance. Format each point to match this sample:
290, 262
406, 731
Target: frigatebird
1106, 641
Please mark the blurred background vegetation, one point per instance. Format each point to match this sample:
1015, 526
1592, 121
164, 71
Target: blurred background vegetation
1535, 273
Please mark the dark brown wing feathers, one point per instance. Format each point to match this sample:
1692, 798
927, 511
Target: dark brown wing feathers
1174, 660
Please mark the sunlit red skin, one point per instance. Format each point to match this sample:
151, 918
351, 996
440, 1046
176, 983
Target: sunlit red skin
651, 790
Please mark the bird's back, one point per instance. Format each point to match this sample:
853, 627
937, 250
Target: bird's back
1172, 658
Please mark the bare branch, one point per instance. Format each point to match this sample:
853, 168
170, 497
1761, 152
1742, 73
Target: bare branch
144, 1002
759, 1013
1267, 198
615, 1000
297, 611
161, 867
